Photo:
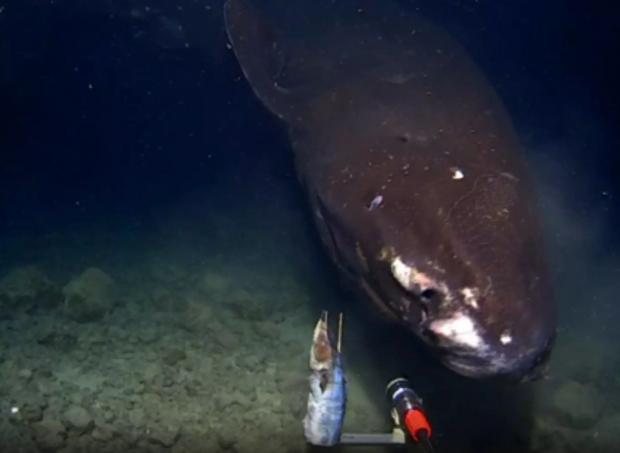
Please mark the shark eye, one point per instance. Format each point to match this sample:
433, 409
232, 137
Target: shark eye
430, 295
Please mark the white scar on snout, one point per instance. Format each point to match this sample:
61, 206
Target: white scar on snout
403, 273
412, 279
459, 329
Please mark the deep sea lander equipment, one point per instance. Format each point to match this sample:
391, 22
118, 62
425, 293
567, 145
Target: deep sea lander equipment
328, 397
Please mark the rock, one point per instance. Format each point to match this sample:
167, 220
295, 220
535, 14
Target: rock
164, 435
102, 433
292, 382
244, 305
227, 400
174, 356
90, 296
148, 335
63, 342
198, 316
163, 299
214, 283
584, 358
150, 372
166, 381
44, 373
227, 437
108, 416
27, 289
576, 405
49, 433
250, 361
226, 339
25, 374
606, 434
78, 418
136, 417
266, 398
196, 442
31, 408
48, 388
266, 330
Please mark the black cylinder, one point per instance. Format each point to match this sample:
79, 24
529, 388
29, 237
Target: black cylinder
402, 397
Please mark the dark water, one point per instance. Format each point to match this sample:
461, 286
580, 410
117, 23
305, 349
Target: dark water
159, 274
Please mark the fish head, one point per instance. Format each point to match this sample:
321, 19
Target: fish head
463, 268
477, 327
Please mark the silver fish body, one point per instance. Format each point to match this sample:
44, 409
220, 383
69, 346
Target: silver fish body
326, 405
328, 394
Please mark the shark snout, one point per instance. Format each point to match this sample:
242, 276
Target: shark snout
469, 349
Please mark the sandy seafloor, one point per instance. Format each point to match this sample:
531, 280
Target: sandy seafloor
199, 332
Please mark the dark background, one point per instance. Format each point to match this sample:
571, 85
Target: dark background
111, 110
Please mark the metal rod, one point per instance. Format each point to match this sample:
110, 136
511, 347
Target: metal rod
339, 345
396, 437
425, 442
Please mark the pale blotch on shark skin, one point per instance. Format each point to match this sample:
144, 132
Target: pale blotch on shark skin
459, 329
411, 279
470, 297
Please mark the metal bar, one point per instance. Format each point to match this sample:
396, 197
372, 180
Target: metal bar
339, 334
396, 437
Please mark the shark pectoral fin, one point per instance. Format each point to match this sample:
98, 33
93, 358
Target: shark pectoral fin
262, 56
377, 301
340, 243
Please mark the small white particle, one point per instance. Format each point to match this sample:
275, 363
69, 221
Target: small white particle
457, 173
505, 338
375, 202
14, 410
90, 86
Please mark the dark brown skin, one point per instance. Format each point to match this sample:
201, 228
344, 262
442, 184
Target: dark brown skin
414, 173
